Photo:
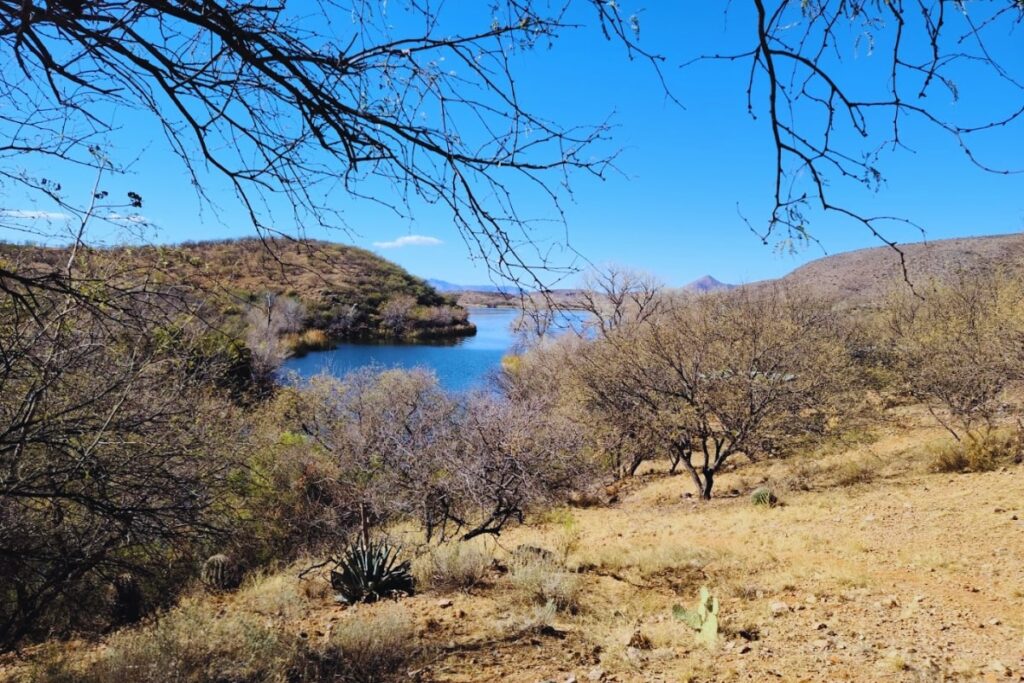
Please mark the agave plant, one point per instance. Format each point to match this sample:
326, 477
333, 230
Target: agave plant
369, 570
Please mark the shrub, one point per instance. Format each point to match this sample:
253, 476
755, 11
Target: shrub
542, 580
453, 566
373, 646
982, 454
192, 644
852, 472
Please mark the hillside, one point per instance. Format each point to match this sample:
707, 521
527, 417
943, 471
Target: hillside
344, 290
872, 568
868, 274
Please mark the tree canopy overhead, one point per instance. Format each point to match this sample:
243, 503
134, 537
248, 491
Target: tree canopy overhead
399, 102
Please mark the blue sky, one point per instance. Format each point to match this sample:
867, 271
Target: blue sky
686, 173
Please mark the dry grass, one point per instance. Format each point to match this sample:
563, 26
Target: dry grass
453, 566
542, 581
192, 644
981, 454
373, 644
911, 576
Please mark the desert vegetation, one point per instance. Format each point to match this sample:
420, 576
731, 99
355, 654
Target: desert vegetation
147, 473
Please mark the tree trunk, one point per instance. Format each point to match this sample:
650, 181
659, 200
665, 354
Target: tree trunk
709, 481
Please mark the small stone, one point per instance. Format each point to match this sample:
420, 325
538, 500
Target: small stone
820, 643
822, 626
444, 602
778, 608
994, 622
595, 674
571, 678
745, 649
999, 667
811, 599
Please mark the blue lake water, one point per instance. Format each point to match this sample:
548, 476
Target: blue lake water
460, 364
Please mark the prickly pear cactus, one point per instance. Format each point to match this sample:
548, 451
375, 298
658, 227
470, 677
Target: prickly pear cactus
703, 619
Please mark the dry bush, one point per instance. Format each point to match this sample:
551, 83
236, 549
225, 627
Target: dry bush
702, 380
536, 620
192, 644
118, 440
278, 596
373, 646
854, 471
543, 581
452, 566
993, 450
958, 349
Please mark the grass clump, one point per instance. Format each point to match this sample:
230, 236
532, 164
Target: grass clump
453, 566
373, 645
542, 580
192, 644
855, 471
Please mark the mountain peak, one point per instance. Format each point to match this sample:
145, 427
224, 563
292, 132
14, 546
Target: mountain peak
707, 283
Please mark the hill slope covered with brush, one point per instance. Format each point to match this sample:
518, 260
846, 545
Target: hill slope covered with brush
345, 292
866, 275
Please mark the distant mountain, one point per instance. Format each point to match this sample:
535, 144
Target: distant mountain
443, 286
866, 275
706, 284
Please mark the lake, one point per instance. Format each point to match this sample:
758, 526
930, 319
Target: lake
460, 364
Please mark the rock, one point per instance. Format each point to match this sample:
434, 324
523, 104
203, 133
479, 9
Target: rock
778, 608
444, 602
822, 626
999, 667
820, 643
889, 602
595, 674
571, 678
745, 649
811, 599
994, 622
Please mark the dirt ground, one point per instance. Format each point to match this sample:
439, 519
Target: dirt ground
871, 568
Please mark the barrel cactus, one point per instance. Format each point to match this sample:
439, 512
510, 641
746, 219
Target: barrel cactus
703, 619
370, 570
764, 497
220, 573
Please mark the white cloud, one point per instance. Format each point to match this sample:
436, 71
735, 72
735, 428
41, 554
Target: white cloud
33, 215
409, 241
127, 218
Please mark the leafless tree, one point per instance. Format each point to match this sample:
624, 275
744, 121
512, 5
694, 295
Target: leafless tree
107, 458
615, 296
268, 320
959, 347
